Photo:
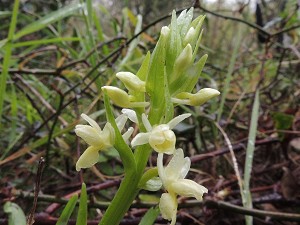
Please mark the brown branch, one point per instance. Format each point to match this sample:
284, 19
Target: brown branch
41, 166
252, 212
253, 25
225, 150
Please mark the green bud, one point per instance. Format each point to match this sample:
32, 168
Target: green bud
197, 99
182, 62
131, 82
189, 37
121, 98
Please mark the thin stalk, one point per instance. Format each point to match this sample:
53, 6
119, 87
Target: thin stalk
247, 201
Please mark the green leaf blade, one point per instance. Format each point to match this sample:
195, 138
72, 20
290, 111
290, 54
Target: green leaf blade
150, 217
82, 212
49, 19
68, 210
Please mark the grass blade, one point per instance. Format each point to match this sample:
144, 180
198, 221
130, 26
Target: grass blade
7, 55
45, 41
66, 213
82, 212
150, 216
50, 18
247, 201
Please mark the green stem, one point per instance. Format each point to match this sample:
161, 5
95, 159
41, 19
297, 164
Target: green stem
127, 190
122, 200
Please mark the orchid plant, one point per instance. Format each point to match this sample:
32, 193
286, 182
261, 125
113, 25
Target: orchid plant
166, 79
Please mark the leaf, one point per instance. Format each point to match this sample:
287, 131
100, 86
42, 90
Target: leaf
155, 84
49, 19
247, 200
187, 81
82, 212
7, 55
15, 214
150, 216
282, 121
120, 145
66, 213
173, 45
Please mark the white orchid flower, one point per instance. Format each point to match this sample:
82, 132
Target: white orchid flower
97, 139
161, 137
173, 180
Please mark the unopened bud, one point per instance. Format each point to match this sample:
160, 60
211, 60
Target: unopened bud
197, 99
190, 36
183, 61
165, 31
121, 98
131, 81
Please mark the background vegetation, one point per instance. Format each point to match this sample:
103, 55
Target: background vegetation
55, 56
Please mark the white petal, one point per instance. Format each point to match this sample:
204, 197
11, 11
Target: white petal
185, 168
146, 123
140, 139
88, 158
168, 206
89, 135
172, 123
127, 134
188, 188
92, 122
162, 139
121, 121
160, 167
108, 135
131, 115
177, 166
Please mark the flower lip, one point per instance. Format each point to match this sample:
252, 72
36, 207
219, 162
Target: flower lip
161, 138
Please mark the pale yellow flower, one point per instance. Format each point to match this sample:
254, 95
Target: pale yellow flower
161, 137
173, 180
98, 139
